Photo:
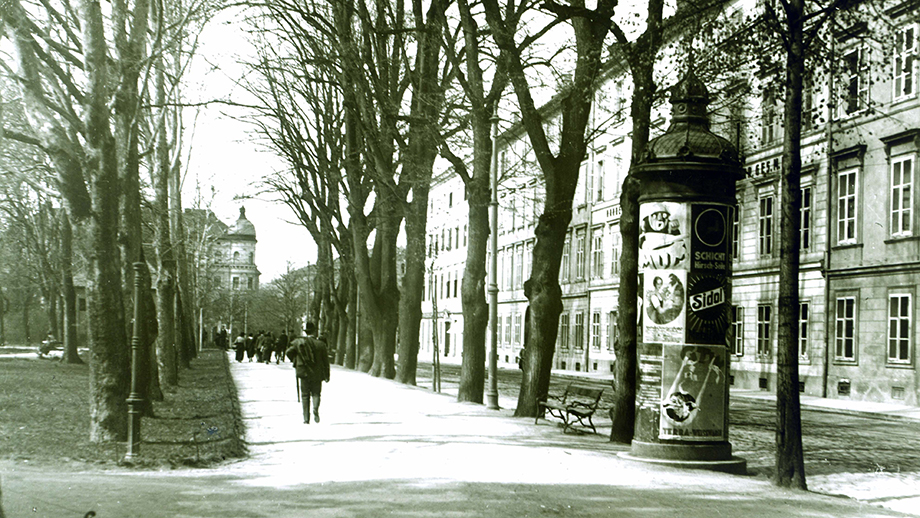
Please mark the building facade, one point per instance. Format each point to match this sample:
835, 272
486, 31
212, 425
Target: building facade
234, 265
859, 237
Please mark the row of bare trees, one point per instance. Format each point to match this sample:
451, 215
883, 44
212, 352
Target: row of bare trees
359, 96
97, 136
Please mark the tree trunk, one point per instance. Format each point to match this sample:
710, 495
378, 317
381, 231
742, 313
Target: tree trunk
545, 296
26, 319
4, 305
130, 49
351, 346
623, 413
51, 312
166, 271
473, 291
560, 175
478, 187
70, 293
109, 373
790, 464
427, 99
642, 56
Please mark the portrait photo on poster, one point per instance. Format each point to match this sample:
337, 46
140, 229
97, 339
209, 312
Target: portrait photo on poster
665, 299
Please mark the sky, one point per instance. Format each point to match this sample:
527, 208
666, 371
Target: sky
225, 156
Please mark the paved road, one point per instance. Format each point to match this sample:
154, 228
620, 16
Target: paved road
386, 449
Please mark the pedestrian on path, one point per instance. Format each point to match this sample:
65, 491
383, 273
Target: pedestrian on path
281, 345
240, 346
250, 347
311, 364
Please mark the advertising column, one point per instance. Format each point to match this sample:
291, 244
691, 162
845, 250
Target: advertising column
686, 200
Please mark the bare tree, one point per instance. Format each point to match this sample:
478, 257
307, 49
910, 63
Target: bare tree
560, 168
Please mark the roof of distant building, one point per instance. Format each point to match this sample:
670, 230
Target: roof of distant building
243, 227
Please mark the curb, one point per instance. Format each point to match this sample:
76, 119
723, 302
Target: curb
239, 432
831, 410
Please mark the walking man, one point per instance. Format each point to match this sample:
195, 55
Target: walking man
311, 364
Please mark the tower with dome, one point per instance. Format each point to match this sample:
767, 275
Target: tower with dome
235, 261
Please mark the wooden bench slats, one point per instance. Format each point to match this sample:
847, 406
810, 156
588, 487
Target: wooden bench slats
576, 406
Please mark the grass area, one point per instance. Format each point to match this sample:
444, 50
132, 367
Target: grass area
44, 416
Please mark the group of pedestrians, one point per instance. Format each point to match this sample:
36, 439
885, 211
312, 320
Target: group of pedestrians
309, 355
260, 347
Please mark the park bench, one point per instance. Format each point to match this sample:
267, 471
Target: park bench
576, 406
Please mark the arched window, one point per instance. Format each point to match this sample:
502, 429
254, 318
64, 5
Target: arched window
236, 256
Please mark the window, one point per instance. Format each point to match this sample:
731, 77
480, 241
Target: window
899, 321
599, 182
805, 220
585, 174
579, 330
902, 173
566, 255
252, 257
596, 331
597, 254
765, 232
519, 266
846, 329
464, 233
810, 113
528, 256
772, 123
450, 200
508, 329
498, 330
456, 280
450, 238
443, 241
236, 283
249, 283
803, 330
764, 317
737, 331
903, 74
615, 245
236, 256
856, 81
508, 255
580, 254
564, 331
736, 232
613, 332
517, 330
846, 206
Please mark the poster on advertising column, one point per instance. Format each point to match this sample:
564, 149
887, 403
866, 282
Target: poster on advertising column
708, 308
709, 239
665, 306
693, 393
664, 236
